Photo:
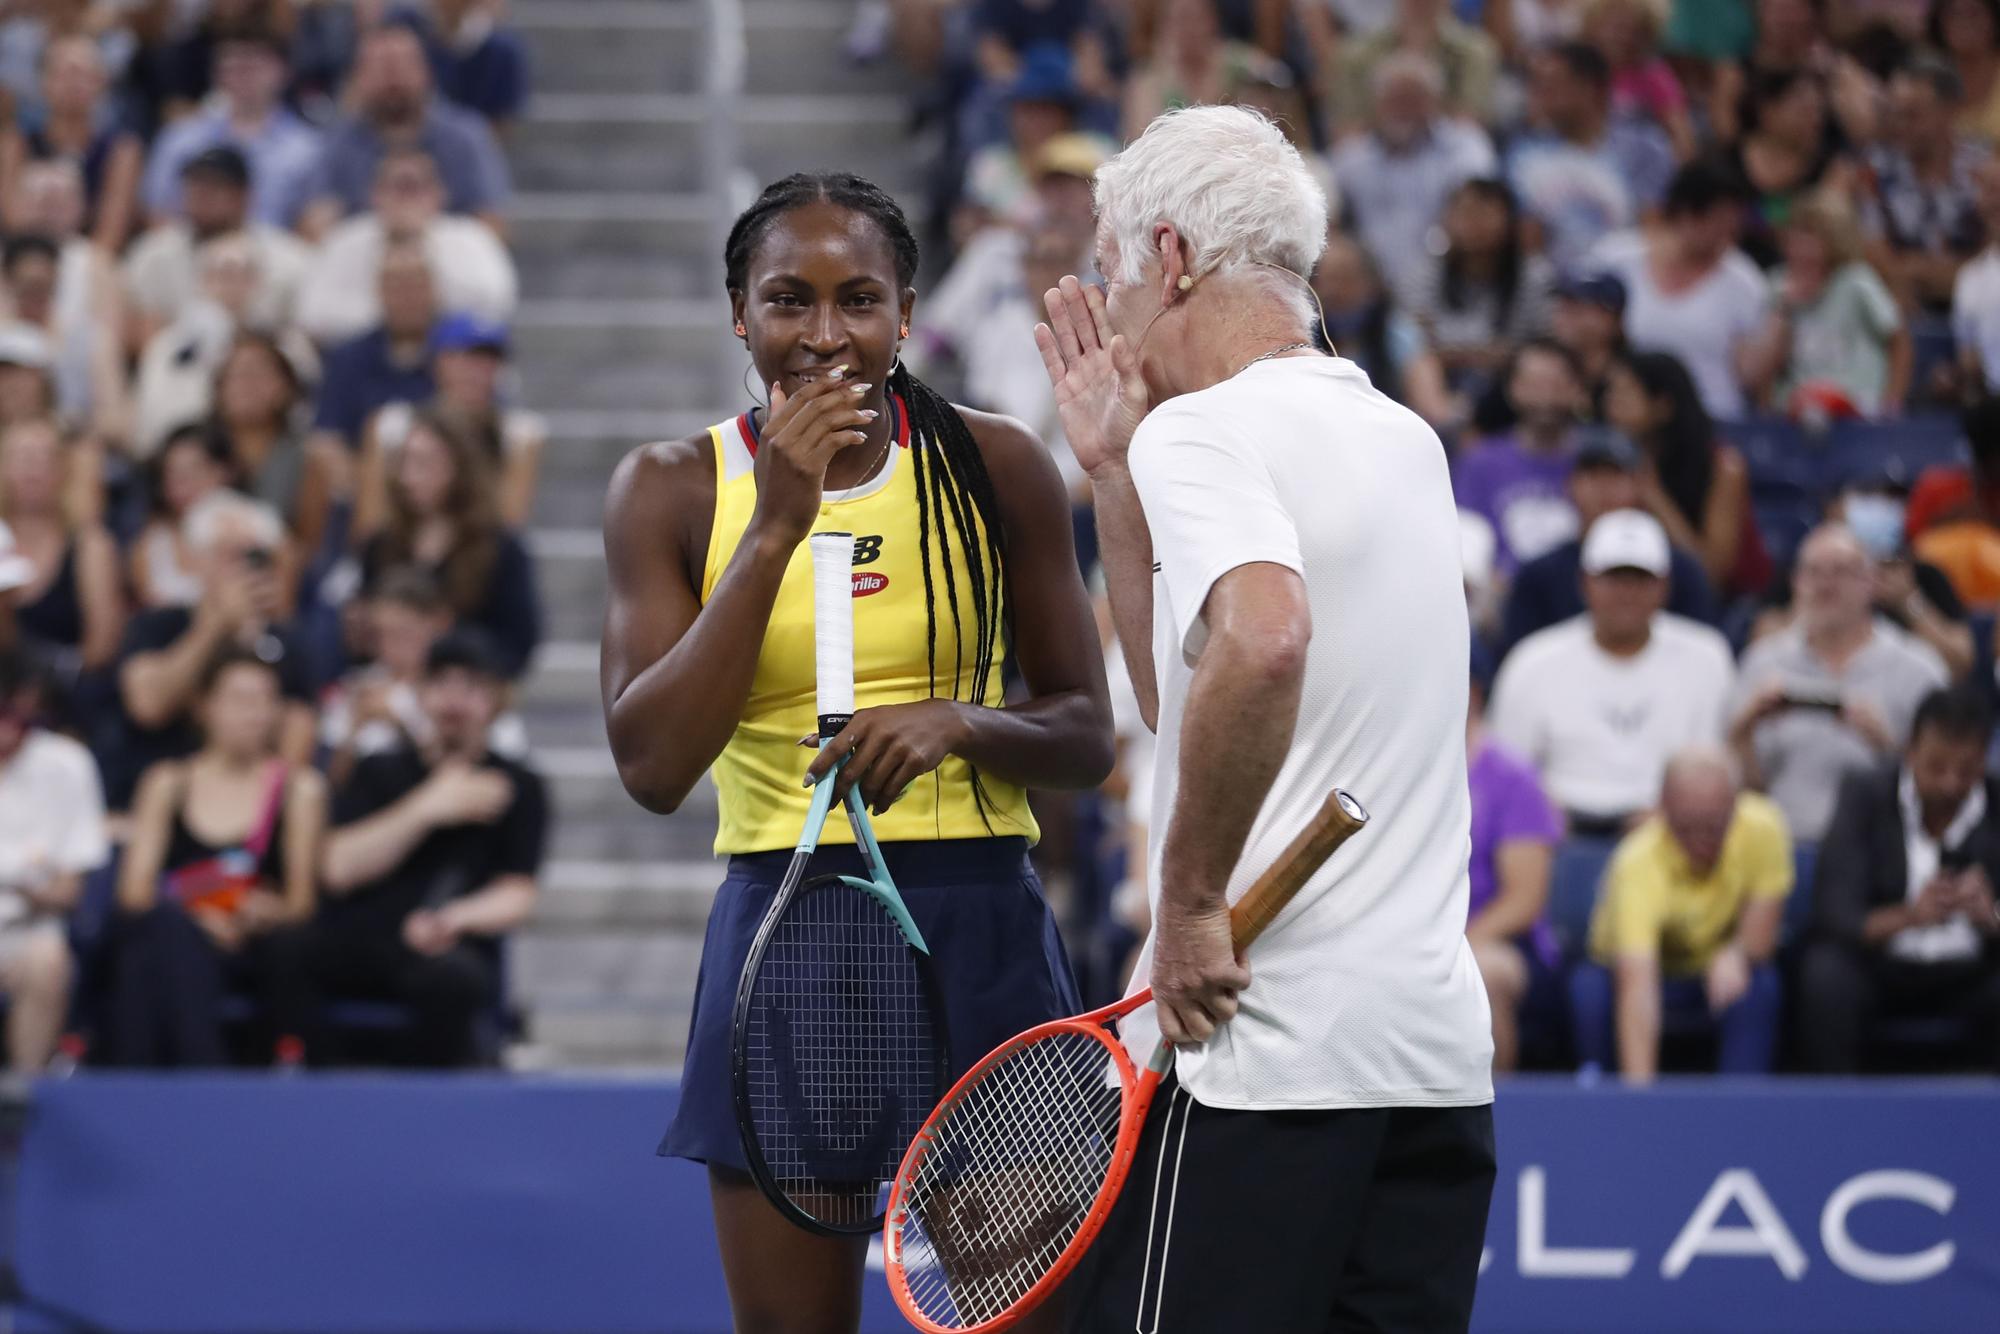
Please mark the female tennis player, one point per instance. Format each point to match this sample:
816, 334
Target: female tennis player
963, 559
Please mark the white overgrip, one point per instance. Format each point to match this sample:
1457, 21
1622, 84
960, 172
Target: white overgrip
833, 625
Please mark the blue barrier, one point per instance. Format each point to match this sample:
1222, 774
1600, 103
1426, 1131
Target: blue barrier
483, 1203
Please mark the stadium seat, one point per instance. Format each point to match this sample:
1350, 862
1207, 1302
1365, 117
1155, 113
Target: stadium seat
1903, 448
1579, 866
1776, 452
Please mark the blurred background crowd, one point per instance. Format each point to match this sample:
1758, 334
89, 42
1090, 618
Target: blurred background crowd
261, 591
1702, 297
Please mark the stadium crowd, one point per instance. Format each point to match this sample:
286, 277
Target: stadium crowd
1703, 298
262, 596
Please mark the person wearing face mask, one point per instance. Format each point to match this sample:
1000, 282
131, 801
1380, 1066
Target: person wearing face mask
1833, 691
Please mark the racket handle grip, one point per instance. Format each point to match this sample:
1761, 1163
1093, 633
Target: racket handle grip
1340, 817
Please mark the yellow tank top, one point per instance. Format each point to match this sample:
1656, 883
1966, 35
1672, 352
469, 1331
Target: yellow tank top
757, 775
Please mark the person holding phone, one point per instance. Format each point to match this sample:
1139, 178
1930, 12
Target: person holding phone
1832, 692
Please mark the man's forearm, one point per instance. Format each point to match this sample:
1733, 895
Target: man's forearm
495, 910
158, 687
369, 849
1638, 1022
1125, 547
1242, 708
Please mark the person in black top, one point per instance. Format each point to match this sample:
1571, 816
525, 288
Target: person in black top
1903, 915
217, 877
433, 860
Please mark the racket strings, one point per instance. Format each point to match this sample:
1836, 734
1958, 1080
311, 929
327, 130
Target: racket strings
842, 1056
1009, 1176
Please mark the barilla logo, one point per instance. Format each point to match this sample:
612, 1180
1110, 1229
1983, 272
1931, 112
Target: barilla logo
866, 582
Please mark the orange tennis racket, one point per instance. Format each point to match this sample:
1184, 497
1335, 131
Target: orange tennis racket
1011, 1178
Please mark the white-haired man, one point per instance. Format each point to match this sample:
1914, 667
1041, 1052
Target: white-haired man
1284, 539
238, 546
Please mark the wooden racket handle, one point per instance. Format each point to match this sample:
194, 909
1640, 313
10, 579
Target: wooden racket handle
1338, 820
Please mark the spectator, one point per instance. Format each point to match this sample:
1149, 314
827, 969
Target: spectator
1369, 330
246, 112
48, 201
1523, 27
478, 62
1587, 318
176, 382
1921, 209
1603, 476
471, 268
1975, 293
71, 608
1912, 595
168, 652
161, 272
1643, 86
1483, 295
1790, 149
51, 837
443, 517
1697, 486
1903, 915
1464, 56
394, 105
434, 861
79, 126
378, 707
1968, 33
27, 388
391, 364
1396, 178
1689, 290
84, 358
217, 879
1518, 481
472, 377
1042, 106
1833, 692
1599, 703
1189, 65
189, 467
1686, 924
179, 72
259, 409
1833, 325
1581, 173
1514, 834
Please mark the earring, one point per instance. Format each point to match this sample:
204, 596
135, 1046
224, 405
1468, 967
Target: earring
740, 330
905, 332
752, 393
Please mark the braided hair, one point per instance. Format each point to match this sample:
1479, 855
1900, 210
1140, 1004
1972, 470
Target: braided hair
958, 510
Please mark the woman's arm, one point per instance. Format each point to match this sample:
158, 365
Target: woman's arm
305, 831
99, 595
1902, 359
1722, 518
146, 849
1522, 868
118, 197
675, 671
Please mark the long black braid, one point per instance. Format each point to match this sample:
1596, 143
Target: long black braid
956, 501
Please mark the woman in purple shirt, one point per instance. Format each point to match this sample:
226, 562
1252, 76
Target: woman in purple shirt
1515, 830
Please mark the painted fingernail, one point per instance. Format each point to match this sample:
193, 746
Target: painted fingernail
808, 738
809, 781
863, 388
870, 413
840, 370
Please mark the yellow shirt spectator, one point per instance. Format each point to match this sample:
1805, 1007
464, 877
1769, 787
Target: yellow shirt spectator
1653, 903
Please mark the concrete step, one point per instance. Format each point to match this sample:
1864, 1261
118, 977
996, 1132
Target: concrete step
640, 46
614, 1035
611, 244
589, 442
630, 356
655, 143
618, 965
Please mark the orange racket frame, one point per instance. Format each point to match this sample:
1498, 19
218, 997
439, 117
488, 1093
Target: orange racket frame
1338, 819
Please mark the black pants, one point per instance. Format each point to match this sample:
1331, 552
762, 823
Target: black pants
1313, 1222
446, 993
1843, 988
169, 979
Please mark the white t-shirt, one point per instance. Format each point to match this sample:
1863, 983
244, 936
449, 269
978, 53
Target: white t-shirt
1701, 325
1364, 992
1975, 312
51, 818
341, 295
1600, 729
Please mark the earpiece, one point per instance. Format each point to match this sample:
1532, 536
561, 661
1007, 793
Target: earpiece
1186, 283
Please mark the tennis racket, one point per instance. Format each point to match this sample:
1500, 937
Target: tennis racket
838, 1046
1013, 1175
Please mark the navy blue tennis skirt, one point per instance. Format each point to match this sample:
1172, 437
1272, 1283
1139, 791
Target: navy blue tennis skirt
979, 905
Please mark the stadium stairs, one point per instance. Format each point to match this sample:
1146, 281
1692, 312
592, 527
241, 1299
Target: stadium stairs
620, 165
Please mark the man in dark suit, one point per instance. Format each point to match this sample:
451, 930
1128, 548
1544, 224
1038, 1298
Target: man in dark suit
1903, 916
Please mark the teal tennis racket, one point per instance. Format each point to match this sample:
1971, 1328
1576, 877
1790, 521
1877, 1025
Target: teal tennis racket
838, 1049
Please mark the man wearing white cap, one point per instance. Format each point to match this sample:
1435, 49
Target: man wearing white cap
1600, 702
